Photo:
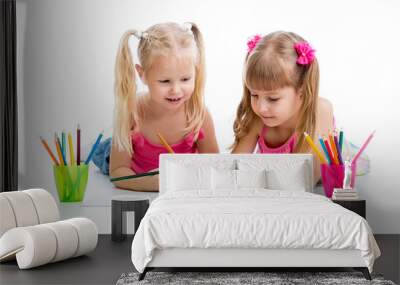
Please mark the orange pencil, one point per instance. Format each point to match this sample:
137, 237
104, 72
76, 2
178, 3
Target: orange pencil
164, 142
333, 147
46, 146
59, 150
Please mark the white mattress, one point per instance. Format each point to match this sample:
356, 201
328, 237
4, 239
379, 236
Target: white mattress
252, 218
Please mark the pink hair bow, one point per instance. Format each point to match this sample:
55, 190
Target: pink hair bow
305, 53
251, 44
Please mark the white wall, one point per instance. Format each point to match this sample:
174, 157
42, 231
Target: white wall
66, 54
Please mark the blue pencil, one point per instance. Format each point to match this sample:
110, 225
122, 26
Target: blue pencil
93, 148
63, 146
62, 153
325, 150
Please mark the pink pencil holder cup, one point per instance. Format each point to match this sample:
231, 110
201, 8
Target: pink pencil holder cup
332, 177
353, 174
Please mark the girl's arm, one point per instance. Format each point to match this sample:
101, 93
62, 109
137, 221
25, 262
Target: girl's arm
325, 127
209, 143
120, 165
248, 143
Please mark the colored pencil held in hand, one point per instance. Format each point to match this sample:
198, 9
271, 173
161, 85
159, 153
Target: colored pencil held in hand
168, 148
151, 173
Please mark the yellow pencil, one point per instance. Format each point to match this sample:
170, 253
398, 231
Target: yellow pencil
164, 142
71, 149
314, 147
334, 150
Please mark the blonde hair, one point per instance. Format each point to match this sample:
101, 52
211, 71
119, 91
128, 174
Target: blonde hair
161, 38
272, 65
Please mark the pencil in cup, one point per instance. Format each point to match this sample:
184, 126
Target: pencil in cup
321, 141
341, 137
46, 146
328, 148
314, 148
94, 147
333, 148
58, 147
78, 145
71, 150
63, 147
339, 153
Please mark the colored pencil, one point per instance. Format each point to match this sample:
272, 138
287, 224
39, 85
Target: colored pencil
46, 146
314, 147
321, 141
58, 147
94, 148
335, 138
333, 148
164, 142
363, 147
62, 153
63, 147
71, 150
341, 140
329, 151
134, 176
78, 145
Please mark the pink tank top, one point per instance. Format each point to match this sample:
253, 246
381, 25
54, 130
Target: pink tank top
287, 147
146, 154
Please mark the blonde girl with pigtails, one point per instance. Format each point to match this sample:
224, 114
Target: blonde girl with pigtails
280, 99
172, 65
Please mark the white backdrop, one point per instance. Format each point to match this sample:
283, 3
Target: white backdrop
67, 49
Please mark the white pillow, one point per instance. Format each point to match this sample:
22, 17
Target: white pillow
288, 178
223, 179
188, 177
251, 178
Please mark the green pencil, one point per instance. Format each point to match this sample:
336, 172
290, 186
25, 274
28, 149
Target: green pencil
134, 176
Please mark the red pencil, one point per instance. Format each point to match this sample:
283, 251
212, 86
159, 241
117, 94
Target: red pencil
328, 148
78, 145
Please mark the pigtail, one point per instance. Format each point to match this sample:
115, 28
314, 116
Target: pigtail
125, 114
309, 109
195, 110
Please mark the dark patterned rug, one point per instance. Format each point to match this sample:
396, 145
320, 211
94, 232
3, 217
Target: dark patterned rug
230, 278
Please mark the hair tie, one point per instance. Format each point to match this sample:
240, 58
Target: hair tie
251, 44
187, 27
140, 35
305, 53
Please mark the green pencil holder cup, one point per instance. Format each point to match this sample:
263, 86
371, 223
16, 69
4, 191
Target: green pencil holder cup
71, 181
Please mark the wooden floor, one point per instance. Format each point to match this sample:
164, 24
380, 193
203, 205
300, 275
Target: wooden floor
111, 259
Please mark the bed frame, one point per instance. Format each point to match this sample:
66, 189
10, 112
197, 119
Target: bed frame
247, 259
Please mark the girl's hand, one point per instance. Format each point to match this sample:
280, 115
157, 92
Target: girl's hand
248, 143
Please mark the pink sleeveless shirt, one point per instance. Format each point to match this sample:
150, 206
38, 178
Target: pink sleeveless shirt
146, 154
287, 147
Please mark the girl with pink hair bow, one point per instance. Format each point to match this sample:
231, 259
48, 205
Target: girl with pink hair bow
280, 98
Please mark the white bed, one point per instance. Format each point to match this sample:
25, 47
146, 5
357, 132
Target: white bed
247, 211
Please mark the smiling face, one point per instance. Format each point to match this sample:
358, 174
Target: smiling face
278, 107
171, 79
